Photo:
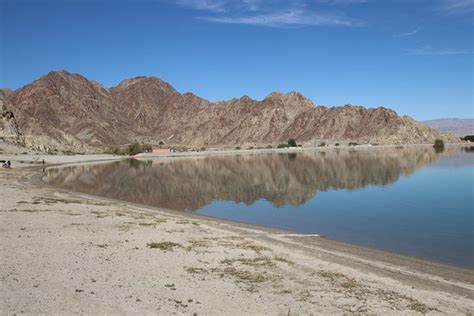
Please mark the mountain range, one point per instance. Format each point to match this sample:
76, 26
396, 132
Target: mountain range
66, 111
456, 126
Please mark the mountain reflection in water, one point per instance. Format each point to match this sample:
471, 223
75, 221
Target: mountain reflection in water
282, 179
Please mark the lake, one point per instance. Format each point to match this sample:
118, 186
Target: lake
413, 201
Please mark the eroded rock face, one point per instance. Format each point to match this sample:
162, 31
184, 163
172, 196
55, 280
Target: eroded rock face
282, 179
8, 128
66, 111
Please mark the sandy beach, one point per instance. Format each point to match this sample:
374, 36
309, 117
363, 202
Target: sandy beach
64, 252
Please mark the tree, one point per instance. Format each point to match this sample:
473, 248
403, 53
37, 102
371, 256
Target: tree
438, 145
134, 149
291, 142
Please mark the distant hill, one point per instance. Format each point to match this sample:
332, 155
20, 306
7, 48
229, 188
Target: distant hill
456, 126
66, 111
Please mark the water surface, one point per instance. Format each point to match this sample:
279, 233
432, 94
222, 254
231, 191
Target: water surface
412, 201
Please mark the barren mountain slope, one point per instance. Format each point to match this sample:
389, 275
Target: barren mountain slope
4, 93
63, 110
66, 111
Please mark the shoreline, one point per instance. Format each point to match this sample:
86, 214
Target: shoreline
200, 155
52, 160
440, 266
34, 159
325, 276
220, 151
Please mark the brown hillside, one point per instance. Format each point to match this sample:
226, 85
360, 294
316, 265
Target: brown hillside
66, 111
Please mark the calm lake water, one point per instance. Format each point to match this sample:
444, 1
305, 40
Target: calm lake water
413, 201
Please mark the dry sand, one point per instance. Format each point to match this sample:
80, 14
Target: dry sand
63, 252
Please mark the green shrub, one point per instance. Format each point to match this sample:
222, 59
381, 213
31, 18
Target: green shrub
137, 148
337, 144
134, 149
468, 138
147, 148
353, 144
237, 148
282, 146
322, 144
291, 142
439, 145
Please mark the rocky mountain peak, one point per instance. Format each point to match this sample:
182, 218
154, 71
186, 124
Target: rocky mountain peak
295, 95
291, 99
65, 84
61, 76
246, 99
145, 83
297, 98
275, 95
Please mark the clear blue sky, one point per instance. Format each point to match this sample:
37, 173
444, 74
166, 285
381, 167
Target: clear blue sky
414, 56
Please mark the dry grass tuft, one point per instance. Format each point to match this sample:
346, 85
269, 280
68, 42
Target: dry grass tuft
196, 270
253, 262
164, 245
281, 259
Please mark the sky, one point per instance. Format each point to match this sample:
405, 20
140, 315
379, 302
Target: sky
414, 56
